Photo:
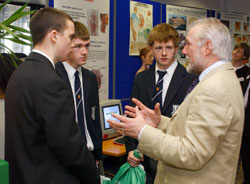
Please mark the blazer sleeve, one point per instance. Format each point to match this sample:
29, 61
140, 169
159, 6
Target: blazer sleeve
55, 108
97, 124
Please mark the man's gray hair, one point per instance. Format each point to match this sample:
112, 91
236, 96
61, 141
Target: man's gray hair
214, 30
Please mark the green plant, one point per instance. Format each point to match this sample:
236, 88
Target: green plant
13, 33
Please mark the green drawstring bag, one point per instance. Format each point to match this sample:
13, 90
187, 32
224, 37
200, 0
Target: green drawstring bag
127, 174
130, 175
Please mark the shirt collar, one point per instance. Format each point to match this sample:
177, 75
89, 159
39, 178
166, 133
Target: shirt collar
71, 71
210, 68
45, 55
170, 70
238, 67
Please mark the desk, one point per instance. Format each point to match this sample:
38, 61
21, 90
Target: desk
113, 157
111, 149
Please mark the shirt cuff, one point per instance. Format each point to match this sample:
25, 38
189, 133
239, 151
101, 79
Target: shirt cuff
139, 136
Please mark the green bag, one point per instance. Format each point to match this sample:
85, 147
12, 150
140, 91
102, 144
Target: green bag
4, 172
129, 175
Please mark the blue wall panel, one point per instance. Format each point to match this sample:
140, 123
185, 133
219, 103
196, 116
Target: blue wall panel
126, 66
111, 39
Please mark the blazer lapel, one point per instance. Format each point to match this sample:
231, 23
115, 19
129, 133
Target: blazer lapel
63, 73
174, 86
150, 83
85, 83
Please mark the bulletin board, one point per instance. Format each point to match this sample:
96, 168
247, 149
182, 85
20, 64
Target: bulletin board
94, 14
180, 18
238, 25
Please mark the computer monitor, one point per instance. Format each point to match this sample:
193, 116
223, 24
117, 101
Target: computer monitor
108, 107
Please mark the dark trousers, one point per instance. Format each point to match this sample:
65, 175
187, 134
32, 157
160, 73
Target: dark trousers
151, 171
245, 157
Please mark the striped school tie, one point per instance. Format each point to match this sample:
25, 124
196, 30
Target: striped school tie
79, 106
157, 94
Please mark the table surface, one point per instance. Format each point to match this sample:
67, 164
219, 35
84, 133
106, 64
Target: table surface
112, 149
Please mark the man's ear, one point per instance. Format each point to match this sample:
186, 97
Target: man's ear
53, 35
208, 47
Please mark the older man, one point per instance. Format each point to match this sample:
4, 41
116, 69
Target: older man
200, 143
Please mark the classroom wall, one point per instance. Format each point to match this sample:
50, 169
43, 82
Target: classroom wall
239, 6
210, 4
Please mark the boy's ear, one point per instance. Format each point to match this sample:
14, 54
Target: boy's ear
53, 35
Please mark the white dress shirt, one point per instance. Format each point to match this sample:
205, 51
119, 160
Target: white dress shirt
166, 79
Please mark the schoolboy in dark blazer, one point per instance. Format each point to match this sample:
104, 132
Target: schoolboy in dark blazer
43, 144
90, 98
163, 41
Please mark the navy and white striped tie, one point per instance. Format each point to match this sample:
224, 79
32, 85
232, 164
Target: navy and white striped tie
157, 95
79, 105
191, 86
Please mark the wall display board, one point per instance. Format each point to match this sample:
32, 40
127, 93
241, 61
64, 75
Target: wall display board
95, 15
180, 18
126, 66
239, 26
6, 12
141, 22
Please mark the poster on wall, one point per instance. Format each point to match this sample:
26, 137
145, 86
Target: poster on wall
239, 26
141, 22
94, 14
180, 18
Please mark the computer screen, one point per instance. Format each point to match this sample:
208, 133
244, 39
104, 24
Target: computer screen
107, 111
108, 107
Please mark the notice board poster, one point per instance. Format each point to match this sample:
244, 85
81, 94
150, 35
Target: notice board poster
141, 22
239, 26
180, 18
94, 14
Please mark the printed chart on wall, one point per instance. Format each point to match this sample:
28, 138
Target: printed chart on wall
94, 14
180, 18
239, 26
141, 22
